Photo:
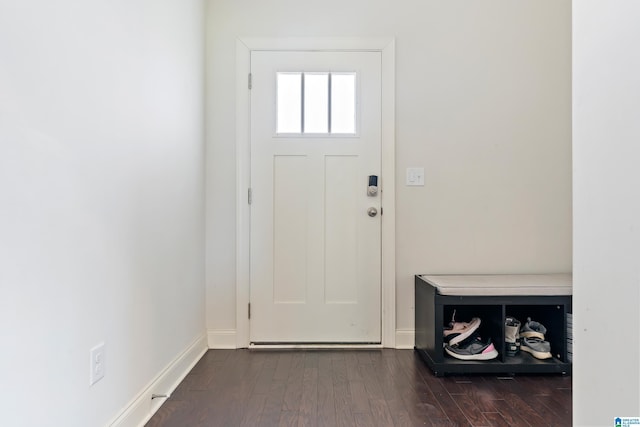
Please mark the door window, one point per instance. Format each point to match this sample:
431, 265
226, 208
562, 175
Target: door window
316, 103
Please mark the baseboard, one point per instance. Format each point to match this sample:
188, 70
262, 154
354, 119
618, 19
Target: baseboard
405, 339
222, 338
142, 407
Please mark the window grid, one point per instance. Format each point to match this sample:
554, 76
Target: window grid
329, 100
329, 104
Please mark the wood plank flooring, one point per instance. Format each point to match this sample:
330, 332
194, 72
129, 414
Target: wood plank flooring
355, 388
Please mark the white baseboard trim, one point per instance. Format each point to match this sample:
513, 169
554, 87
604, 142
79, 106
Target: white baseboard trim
221, 339
405, 339
142, 407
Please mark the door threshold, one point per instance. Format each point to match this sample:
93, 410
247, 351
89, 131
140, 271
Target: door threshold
315, 346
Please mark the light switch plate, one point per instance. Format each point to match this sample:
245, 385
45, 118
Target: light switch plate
415, 176
97, 363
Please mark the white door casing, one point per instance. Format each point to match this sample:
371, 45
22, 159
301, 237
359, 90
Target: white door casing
244, 48
314, 250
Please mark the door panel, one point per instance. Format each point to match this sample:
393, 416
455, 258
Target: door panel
289, 229
315, 253
341, 229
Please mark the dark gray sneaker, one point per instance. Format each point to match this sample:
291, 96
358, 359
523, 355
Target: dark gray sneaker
472, 349
540, 349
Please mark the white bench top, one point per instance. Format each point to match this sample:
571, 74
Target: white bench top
502, 284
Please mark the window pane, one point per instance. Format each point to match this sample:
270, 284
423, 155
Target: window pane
289, 108
316, 103
343, 103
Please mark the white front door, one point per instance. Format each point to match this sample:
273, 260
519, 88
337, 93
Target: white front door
315, 249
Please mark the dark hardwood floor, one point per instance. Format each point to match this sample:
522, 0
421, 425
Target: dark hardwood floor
355, 388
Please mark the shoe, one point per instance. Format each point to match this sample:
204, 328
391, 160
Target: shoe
540, 349
457, 332
472, 349
532, 329
512, 336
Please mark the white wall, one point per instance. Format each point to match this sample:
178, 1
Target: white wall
606, 153
101, 201
483, 98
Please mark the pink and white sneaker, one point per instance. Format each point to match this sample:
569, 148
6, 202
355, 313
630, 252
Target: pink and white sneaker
457, 332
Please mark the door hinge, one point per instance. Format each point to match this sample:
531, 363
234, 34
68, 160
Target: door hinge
249, 196
250, 81
381, 210
249, 310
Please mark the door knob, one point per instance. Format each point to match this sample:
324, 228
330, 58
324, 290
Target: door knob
372, 212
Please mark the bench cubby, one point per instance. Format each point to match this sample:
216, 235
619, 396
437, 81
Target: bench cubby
544, 298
